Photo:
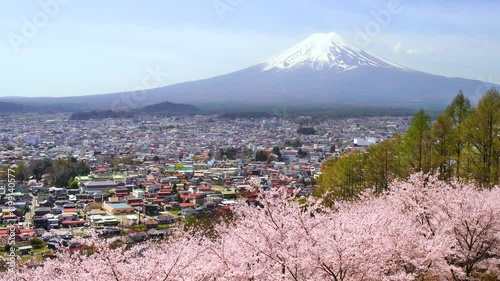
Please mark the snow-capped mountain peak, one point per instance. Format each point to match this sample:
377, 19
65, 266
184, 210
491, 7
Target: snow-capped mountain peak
326, 51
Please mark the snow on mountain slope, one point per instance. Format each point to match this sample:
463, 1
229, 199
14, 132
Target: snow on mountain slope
322, 51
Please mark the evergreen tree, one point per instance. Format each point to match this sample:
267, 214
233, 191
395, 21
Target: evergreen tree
302, 153
416, 142
261, 156
276, 150
230, 153
381, 164
458, 111
342, 178
483, 125
74, 184
442, 137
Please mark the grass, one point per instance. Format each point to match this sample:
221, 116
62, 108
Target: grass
165, 226
37, 254
95, 206
141, 227
41, 250
174, 212
37, 257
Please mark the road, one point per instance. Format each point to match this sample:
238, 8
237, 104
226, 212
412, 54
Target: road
31, 213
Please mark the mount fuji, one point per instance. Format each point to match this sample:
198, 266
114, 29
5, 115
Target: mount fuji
324, 69
326, 51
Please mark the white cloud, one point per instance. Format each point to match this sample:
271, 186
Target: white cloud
397, 47
412, 51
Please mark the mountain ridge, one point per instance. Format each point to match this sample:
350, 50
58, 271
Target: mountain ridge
164, 108
323, 69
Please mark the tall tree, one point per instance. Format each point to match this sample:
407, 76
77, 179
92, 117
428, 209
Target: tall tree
442, 137
261, 155
276, 150
343, 178
416, 140
381, 164
230, 153
458, 111
484, 134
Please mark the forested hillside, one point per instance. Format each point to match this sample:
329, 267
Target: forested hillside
463, 143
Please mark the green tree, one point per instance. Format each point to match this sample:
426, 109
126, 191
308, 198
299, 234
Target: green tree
342, 178
179, 167
74, 184
293, 143
483, 125
36, 243
247, 152
38, 167
127, 160
60, 173
22, 172
306, 131
261, 156
442, 134
230, 153
416, 142
458, 111
302, 153
7, 247
276, 150
381, 164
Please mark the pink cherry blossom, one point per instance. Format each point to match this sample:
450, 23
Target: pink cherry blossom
422, 227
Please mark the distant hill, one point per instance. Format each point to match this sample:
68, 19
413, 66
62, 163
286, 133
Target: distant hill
10, 107
169, 108
246, 115
7, 107
164, 108
94, 114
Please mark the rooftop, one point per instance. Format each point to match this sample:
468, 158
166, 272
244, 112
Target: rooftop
100, 183
118, 205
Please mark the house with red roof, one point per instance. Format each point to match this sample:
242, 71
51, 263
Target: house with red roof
20, 233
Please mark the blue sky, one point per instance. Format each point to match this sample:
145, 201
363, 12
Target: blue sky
92, 47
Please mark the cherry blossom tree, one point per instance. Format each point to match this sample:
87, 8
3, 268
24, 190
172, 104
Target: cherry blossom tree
466, 219
178, 259
420, 229
368, 240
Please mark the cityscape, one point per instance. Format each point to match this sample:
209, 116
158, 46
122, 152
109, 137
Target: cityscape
234, 140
